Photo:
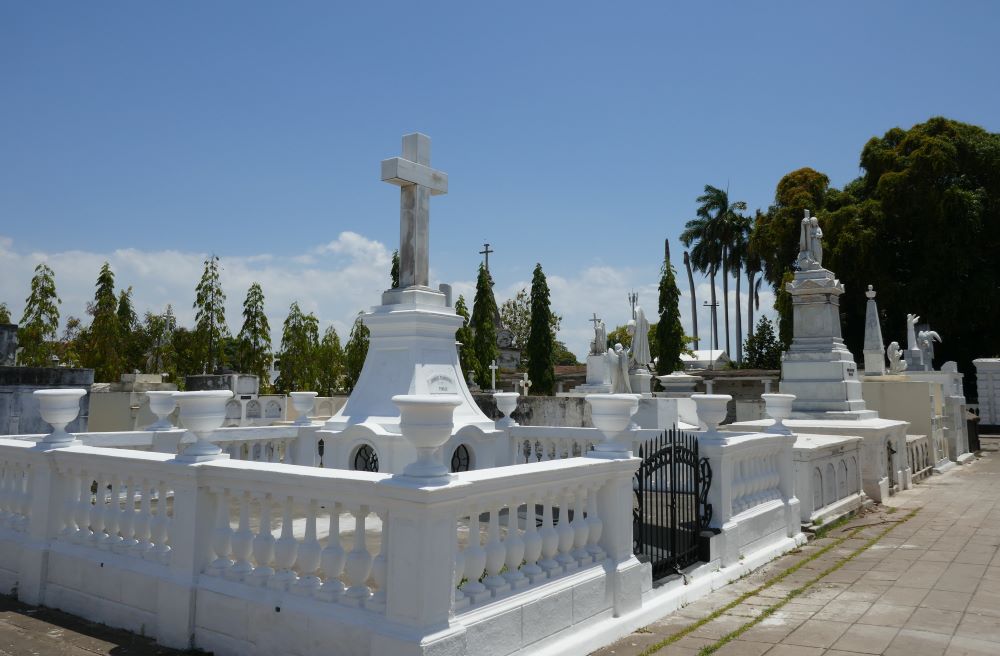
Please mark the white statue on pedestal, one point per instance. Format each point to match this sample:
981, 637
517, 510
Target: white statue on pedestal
925, 341
640, 357
810, 244
911, 333
896, 363
618, 360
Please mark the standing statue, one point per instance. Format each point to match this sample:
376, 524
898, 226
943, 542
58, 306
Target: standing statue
640, 357
810, 244
600, 338
896, 363
911, 334
618, 360
925, 340
816, 241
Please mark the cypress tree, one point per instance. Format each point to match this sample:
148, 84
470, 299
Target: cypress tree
4, 313
464, 335
394, 271
331, 363
355, 352
541, 340
254, 340
484, 342
105, 352
210, 319
669, 333
299, 346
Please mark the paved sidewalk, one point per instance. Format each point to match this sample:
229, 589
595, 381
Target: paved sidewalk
884, 583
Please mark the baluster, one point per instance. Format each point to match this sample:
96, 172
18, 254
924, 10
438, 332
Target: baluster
242, 543
332, 559
70, 504
274, 452
359, 562
532, 544
309, 555
514, 544
234, 450
82, 511
596, 526
126, 521
221, 535
550, 541
380, 567
97, 512
580, 529
496, 554
24, 505
285, 551
475, 562
566, 533
112, 512
263, 545
458, 598
142, 520
159, 526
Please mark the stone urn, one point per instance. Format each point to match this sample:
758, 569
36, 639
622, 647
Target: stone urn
506, 404
426, 422
202, 413
712, 410
779, 408
161, 404
611, 414
303, 402
58, 407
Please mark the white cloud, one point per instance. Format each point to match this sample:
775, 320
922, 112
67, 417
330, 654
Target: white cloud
336, 281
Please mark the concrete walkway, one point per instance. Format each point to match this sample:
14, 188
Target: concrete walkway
918, 577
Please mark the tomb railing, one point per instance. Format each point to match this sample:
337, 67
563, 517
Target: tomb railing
919, 455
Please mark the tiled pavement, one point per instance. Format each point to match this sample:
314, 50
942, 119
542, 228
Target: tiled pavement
928, 587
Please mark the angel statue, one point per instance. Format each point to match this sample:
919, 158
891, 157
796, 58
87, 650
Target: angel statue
925, 340
911, 334
810, 244
896, 363
639, 329
618, 363
600, 338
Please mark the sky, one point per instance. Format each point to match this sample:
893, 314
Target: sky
574, 134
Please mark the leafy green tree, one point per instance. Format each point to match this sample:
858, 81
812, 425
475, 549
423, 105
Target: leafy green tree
465, 337
133, 355
187, 350
484, 312
355, 353
330, 363
561, 355
155, 337
541, 340
72, 343
299, 346
210, 318
669, 333
515, 314
394, 271
763, 349
254, 340
105, 351
37, 330
4, 313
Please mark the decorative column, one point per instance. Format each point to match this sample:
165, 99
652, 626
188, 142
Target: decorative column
779, 408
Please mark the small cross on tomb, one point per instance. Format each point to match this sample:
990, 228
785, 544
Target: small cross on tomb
417, 182
594, 320
486, 252
493, 375
525, 385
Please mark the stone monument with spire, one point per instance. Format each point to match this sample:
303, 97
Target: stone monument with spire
412, 339
874, 350
818, 368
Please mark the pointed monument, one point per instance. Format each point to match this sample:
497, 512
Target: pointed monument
818, 368
874, 346
412, 343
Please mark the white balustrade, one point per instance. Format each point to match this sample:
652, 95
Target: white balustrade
919, 455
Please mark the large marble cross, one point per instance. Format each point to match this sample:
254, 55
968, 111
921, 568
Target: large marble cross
417, 182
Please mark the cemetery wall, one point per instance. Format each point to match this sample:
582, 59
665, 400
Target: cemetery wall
18, 407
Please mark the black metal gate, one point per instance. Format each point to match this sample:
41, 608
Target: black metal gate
670, 508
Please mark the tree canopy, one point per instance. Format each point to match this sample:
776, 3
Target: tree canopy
4, 313
355, 353
921, 224
669, 332
210, 316
299, 345
104, 353
484, 343
464, 336
254, 340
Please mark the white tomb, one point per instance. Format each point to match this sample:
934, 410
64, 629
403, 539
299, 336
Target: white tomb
412, 342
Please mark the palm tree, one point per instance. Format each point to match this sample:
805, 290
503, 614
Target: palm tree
754, 265
713, 232
738, 257
694, 299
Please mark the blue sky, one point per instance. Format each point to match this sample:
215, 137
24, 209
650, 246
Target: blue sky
574, 134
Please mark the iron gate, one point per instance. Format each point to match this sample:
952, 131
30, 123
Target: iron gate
670, 508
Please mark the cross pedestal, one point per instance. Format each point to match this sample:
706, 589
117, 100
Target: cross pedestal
412, 339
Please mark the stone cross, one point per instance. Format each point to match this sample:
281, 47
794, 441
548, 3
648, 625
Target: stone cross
417, 182
525, 385
486, 251
594, 320
493, 375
